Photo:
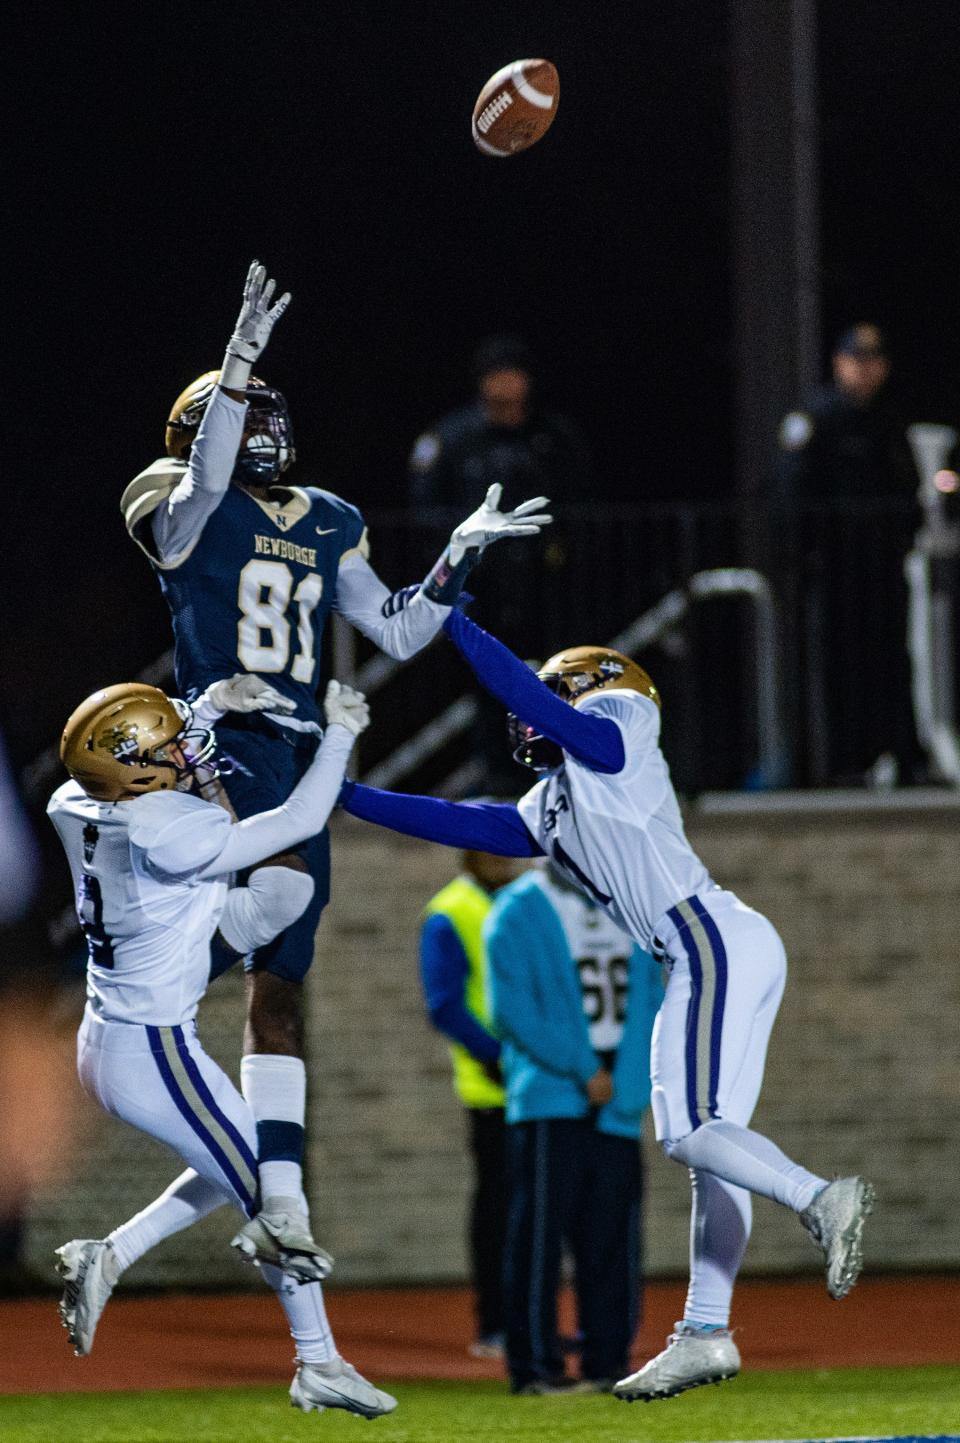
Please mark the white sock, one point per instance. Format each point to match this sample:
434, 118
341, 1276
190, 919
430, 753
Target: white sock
306, 1313
719, 1232
188, 1199
275, 1086
747, 1159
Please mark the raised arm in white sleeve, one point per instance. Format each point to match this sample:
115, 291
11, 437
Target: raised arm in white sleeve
401, 623
177, 524
304, 813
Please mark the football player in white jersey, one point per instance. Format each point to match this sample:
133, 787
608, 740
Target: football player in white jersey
153, 864
606, 813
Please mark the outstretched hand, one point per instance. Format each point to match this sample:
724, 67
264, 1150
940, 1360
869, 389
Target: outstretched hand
345, 707
257, 317
488, 523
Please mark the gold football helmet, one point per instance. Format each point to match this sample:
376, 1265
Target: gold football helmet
266, 449
130, 739
572, 674
581, 669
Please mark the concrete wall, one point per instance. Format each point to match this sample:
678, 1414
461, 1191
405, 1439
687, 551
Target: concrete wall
863, 1074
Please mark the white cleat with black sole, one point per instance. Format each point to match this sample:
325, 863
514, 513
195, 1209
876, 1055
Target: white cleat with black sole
337, 1385
692, 1358
280, 1234
90, 1272
835, 1220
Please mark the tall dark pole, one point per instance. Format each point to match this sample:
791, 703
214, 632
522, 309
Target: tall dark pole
776, 294
776, 236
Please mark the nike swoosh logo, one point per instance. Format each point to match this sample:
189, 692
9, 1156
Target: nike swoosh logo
354, 1405
329, 531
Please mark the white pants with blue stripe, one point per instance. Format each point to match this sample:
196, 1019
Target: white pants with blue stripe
727, 969
161, 1081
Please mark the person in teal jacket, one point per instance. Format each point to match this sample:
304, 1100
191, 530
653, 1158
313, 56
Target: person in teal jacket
573, 1000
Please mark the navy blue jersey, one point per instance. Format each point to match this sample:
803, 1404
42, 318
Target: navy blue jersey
254, 592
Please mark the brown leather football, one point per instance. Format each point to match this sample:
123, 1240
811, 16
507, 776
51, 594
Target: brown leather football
516, 107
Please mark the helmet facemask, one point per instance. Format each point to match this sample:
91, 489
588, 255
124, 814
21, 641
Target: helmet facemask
572, 675
191, 753
267, 447
528, 746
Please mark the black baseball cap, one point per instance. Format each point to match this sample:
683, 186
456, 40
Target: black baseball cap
864, 339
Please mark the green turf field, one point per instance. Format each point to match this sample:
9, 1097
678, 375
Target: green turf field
881, 1402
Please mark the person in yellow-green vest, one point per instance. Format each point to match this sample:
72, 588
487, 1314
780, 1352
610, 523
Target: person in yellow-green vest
453, 968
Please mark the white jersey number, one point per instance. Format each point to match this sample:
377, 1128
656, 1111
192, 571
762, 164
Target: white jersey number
263, 632
604, 984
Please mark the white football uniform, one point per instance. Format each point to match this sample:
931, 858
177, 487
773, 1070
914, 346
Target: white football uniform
148, 927
152, 879
621, 837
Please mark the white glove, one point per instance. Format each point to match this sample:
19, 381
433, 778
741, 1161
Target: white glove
243, 693
256, 320
488, 523
345, 707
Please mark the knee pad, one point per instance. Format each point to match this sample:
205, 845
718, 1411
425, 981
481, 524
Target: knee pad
273, 898
695, 1149
674, 1147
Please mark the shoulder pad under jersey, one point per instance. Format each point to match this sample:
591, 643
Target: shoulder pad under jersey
180, 833
148, 491
638, 716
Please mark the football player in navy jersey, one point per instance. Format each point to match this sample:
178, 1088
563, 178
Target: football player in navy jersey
251, 567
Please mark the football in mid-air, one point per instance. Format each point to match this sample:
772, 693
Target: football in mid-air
516, 107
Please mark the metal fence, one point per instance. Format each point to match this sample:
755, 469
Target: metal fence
841, 702
840, 611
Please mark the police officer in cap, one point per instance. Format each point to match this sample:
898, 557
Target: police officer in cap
850, 441
846, 510
502, 435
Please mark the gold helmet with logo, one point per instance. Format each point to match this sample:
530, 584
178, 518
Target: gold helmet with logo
266, 448
130, 739
573, 674
581, 669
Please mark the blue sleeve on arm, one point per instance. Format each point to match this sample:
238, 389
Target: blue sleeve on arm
444, 970
593, 740
477, 826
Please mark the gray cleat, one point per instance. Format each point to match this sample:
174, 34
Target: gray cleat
280, 1234
693, 1356
337, 1385
90, 1272
835, 1220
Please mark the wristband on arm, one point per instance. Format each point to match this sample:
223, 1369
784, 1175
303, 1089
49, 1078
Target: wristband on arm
444, 583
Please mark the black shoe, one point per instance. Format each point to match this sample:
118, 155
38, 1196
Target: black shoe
545, 1387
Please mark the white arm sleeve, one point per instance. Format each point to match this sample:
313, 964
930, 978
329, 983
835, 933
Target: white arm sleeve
302, 815
177, 524
361, 597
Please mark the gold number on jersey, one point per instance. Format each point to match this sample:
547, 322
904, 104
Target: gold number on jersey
263, 631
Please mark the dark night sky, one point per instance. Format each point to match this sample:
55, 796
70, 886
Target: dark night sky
164, 145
